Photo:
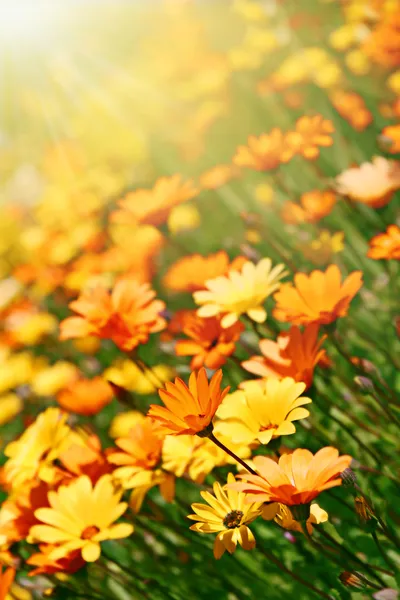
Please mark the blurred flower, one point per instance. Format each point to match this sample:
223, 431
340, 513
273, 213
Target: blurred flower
297, 478
83, 455
51, 378
85, 396
264, 194
227, 515
239, 293
352, 108
80, 517
294, 354
123, 422
217, 176
391, 133
322, 250
263, 153
309, 135
190, 273
127, 316
6, 579
284, 518
153, 206
189, 410
10, 406
320, 297
263, 410
385, 245
44, 564
34, 453
372, 183
208, 342
183, 218
314, 205
128, 375
382, 46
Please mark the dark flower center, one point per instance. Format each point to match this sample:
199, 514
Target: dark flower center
89, 532
233, 519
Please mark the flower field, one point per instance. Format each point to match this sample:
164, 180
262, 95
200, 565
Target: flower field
199, 300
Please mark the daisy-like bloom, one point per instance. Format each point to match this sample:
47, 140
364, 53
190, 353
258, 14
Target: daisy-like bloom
372, 183
43, 564
294, 354
127, 315
152, 207
190, 273
86, 396
297, 478
239, 293
189, 409
227, 513
34, 453
314, 205
217, 176
137, 461
283, 516
310, 134
80, 517
84, 456
320, 297
263, 153
208, 343
352, 108
263, 410
386, 245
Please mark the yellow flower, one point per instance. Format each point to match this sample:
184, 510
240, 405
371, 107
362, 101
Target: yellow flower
10, 406
129, 376
264, 194
240, 292
51, 379
227, 515
38, 447
18, 369
124, 422
80, 517
283, 516
29, 329
321, 250
264, 410
183, 218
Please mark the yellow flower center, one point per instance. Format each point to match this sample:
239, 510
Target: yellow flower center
89, 532
233, 519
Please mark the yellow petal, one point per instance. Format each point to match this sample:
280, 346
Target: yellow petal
91, 552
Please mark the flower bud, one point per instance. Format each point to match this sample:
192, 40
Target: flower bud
366, 386
363, 509
352, 580
348, 477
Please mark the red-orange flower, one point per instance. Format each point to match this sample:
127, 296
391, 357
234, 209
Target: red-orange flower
263, 153
383, 43
70, 563
189, 409
386, 245
6, 579
320, 297
294, 354
85, 457
310, 134
209, 343
190, 273
391, 133
126, 316
85, 396
297, 478
153, 206
314, 205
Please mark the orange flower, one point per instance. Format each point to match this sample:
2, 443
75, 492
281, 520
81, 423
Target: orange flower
314, 205
263, 153
6, 579
70, 563
316, 298
127, 316
190, 273
297, 478
392, 134
153, 206
217, 176
386, 245
294, 354
189, 410
209, 343
85, 396
85, 457
309, 135
351, 107
383, 43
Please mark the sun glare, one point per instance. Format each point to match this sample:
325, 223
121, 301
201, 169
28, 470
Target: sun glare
25, 23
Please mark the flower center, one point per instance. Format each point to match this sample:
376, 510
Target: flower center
267, 427
233, 519
89, 532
